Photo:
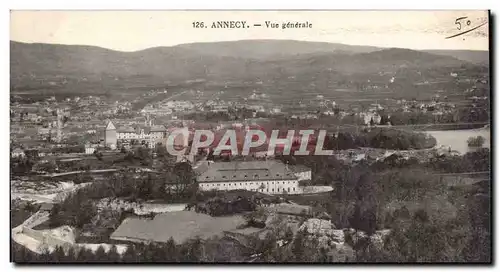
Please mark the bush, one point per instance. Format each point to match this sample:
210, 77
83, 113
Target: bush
475, 141
381, 138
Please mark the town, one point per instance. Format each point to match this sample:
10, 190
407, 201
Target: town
254, 151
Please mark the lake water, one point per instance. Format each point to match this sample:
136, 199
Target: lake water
457, 139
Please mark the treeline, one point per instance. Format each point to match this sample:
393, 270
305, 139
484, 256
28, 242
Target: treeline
477, 141
191, 251
390, 194
220, 206
475, 161
462, 115
21, 210
415, 237
421, 237
380, 138
216, 249
21, 166
326, 170
231, 115
68, 149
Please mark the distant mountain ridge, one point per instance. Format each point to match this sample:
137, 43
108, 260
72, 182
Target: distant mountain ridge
258, 49
472, 56
220, 60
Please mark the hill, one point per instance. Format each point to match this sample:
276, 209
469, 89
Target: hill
386, 60
472, 56
59, 66
53, 59
265, 49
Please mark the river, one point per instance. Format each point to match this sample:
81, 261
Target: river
457, 139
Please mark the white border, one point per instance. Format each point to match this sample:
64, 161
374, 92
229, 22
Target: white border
200, 4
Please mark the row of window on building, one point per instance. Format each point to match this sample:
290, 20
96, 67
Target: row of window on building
251, 183
267, 189
255, 176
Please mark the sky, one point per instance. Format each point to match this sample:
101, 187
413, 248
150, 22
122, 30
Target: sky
137, 30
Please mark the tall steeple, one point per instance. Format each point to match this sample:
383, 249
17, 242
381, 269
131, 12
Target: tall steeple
110, 126
110, 138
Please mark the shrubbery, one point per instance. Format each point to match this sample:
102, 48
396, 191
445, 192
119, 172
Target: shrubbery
380, 138
476, 141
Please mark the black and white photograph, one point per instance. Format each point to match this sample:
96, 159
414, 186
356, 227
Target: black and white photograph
250, 136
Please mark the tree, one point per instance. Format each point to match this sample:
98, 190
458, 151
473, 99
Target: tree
113, 255
479, 214
475, 141
323, 255
130, 255
298, 246
365, 210
288, 234
171, 251
54, 216
46, 256
71, 256
421, 216
84, 255
98, 155
85, 213
49, 167
402, 213
100, 254
267, 246
58, 255
384, 119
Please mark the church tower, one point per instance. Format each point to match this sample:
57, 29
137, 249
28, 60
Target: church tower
110, 135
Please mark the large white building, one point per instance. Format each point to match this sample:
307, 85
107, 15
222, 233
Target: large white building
150, 135
269, 177
141, 132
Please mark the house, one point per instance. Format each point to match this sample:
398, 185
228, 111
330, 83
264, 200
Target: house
220, 108
301, 172
89, 149
17, 153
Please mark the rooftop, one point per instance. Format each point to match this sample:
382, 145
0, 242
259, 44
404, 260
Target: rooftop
181, 226
126, 130
247, 171
110, 126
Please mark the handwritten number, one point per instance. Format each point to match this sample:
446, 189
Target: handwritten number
457, 22
467, 23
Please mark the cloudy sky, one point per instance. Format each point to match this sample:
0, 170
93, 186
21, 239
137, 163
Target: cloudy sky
136, 30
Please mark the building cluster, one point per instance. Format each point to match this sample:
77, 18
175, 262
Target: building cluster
164, 108
38, 123
435, 106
